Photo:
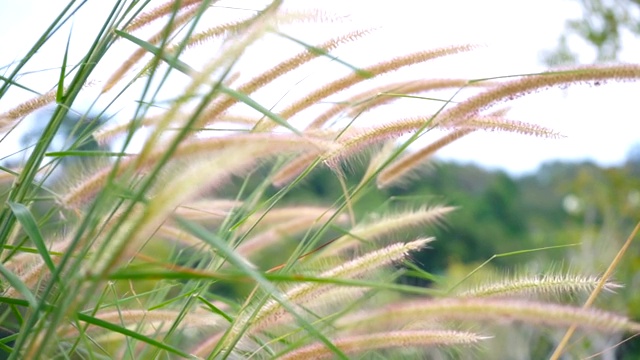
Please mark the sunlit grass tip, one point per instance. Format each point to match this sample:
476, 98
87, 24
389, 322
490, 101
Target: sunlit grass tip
547, 284
364, 265
529, 83
379, 229
354, 78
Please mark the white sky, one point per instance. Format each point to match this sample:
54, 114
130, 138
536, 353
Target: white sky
600, 123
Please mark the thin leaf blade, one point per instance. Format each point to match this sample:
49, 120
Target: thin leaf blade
30, 227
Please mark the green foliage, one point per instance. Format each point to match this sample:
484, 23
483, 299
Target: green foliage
602, 25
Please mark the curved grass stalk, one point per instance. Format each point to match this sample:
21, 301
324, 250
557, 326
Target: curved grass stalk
167, 8
594, 294
288, 172
354, 78
137, 55
322, 307
400, 169
353, 269
494, 310
379, 96
280, 232
354, 141
414, 87
382, 228
207, 209
8, 118
385, 340
527, 84
83, 192
237, 26
280, 69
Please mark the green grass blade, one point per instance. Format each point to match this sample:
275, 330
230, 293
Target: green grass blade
235, 259
215, 309
189, 71
4, 348
170, 60
7, 170
511, 253
30, 226
63, 70
128, 274
58, 21
12, 301
247, 100
100, 323
9, 81
19, 286
86, 153
124, 331
316, 50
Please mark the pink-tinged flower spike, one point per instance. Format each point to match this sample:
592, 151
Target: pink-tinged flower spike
141, 52
353, 345
379, 230
381, 95
494, 310
214, 113
8, 118
353, 141
550, 284
354, 78
281, 232
527, 84
498, 123
26, 108
150, 321
198, 173
400, 169
158, 12
353, 269
272, 311
83, 192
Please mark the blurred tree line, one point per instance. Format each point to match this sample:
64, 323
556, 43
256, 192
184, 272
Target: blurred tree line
556, 205
602, 26
589, 208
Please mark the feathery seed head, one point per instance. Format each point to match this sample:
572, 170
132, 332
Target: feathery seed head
516, 88
385, 340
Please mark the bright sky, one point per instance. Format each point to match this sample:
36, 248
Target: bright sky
600, 123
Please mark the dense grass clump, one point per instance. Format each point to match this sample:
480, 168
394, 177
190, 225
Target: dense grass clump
129, 242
